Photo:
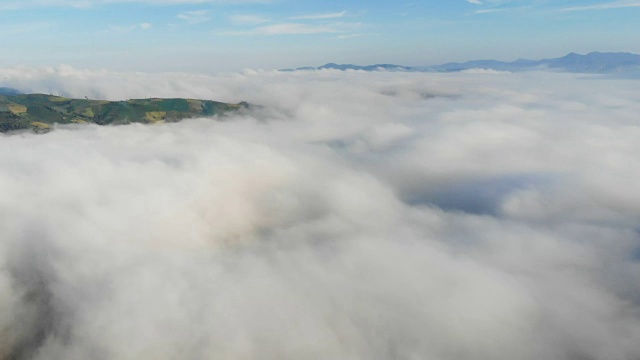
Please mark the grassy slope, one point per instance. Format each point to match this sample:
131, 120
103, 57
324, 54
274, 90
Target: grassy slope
38, 111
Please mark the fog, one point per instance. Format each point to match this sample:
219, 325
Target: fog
351, 215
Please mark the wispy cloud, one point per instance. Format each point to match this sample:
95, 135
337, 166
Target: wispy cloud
22, 28
14, 4
498, 9
488, 11
493, 6
248, 19
286, 29
320, 16
119, 29
194, 17
349, 36
605, 6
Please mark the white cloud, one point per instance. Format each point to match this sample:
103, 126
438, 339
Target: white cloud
293, 28
286, 29
605, 6
11, 4
125, 29
248, 19
509, 5
320, 16
349, 36
297, 29
488, 11
355, 215
26, 27
195, 16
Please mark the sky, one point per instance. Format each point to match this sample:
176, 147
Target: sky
229, 35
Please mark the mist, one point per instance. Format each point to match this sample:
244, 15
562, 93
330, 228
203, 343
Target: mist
351, 215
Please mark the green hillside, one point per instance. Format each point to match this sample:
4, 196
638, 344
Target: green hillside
39, 111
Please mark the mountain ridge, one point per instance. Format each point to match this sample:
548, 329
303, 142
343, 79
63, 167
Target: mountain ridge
39, 112
594, 62
9, 91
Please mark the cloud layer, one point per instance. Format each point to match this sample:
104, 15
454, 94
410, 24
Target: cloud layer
355, 216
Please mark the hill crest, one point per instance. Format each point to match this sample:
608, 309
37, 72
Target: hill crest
40, 111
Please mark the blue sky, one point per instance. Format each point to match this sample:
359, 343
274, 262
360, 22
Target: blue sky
229, 35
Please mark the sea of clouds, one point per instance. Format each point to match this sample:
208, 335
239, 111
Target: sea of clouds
351, 215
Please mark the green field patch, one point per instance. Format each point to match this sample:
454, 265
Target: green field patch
174, 105
60, 109
59, 99
17, 109
79, 121
194, 105
155, 116
40, 125
88, 112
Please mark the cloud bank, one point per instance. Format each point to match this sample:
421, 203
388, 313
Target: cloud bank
356, 216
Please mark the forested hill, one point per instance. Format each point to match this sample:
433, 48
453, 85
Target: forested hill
40, 111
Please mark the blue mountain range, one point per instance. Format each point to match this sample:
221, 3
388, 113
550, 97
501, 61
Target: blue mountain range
343, 67
9, 91
592, 63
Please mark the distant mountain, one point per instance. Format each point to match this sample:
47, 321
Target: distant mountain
593, 63
376, 67
596, 62
9, 91
38, 111
343, 67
